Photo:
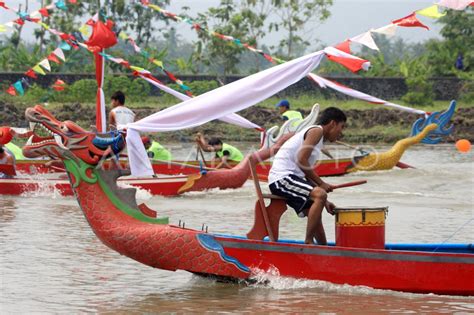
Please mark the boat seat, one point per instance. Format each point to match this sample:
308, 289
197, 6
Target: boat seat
267, 218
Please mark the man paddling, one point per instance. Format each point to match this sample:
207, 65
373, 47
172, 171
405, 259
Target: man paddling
224, 152
292, 175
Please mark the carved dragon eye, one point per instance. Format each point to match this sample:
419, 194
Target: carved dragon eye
64, 128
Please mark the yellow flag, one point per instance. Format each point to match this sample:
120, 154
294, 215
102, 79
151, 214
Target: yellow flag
431, 12
84, 29
137, 68
123, 36
38, 69
2, 28
159, 63
155, 7
46, 26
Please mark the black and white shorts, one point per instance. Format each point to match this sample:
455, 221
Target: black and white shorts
296, 190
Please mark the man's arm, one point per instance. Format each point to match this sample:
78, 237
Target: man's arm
313, 136
202, 143
112, 118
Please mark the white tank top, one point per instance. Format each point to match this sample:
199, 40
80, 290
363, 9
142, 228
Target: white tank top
123, 115
286, 160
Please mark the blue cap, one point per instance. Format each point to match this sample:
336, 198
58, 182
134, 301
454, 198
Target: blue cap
283, 103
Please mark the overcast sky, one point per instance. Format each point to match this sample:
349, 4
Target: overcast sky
348, 18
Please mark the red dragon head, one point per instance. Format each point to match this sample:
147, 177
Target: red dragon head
66, 140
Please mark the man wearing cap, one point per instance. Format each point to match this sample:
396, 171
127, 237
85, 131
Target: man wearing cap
155, 150
287, 114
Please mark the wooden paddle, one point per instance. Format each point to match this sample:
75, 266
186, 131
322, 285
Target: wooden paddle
350, 184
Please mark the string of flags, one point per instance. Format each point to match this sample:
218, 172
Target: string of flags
365, 39
56, 56
157, 62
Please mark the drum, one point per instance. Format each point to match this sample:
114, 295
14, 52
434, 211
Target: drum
361, 227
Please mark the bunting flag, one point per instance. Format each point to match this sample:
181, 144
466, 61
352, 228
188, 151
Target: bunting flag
456, 4
366, 40
59, 85
349, 61
3, 5
64, 46
345, 46
38, 69
19, 88
45, 64
2, 28
59, 53
30, 73
11, 90
84, 29
44, 12
52, 57
388, 30
431, 12
410, 21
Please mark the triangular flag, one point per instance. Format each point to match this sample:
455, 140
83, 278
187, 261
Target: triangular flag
366, 40
52, 57
60, 4
455, 4
345, 46
38, 69
9, 24
352, 64
410, 21
154, 7
64, 46
388, 30
84, 29
31, 74
45, 26
139, 69
431, 12
19, 88
123, 36
2, 4
73, 1
45, 64
58, 52
11, 90
2, 28
159, 63
19, 21
44, 12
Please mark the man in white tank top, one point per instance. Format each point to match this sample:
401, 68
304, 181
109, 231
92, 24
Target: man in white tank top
120, 115
292, 174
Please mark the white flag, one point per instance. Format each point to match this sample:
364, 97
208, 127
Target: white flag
45, 64
366, 40
58, 52
388, 30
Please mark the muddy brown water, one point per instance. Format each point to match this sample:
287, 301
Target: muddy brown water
51, 261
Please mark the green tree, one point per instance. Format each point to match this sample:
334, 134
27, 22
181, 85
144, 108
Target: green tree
293, 17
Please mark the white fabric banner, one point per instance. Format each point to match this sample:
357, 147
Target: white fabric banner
233, 118
214, 104
323, 83
455, 4
366, 40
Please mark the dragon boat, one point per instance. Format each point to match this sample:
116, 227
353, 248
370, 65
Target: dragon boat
359, 256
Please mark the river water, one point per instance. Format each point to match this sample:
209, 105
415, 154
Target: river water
52, 262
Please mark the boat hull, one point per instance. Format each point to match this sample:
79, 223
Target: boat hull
407, 271
164, 186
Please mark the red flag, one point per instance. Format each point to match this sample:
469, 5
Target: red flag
2, 4
11, 90
410, 21
53, 58
344, 46
30, 73
44, 12
19, 21
59, 85
73, 1
353, 65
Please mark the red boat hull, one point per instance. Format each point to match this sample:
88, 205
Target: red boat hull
323, 168
408, 271
164, 186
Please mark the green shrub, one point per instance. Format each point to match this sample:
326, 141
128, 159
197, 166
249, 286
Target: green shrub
466, 93
201, 87
139, 89
84, 90
121, 83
